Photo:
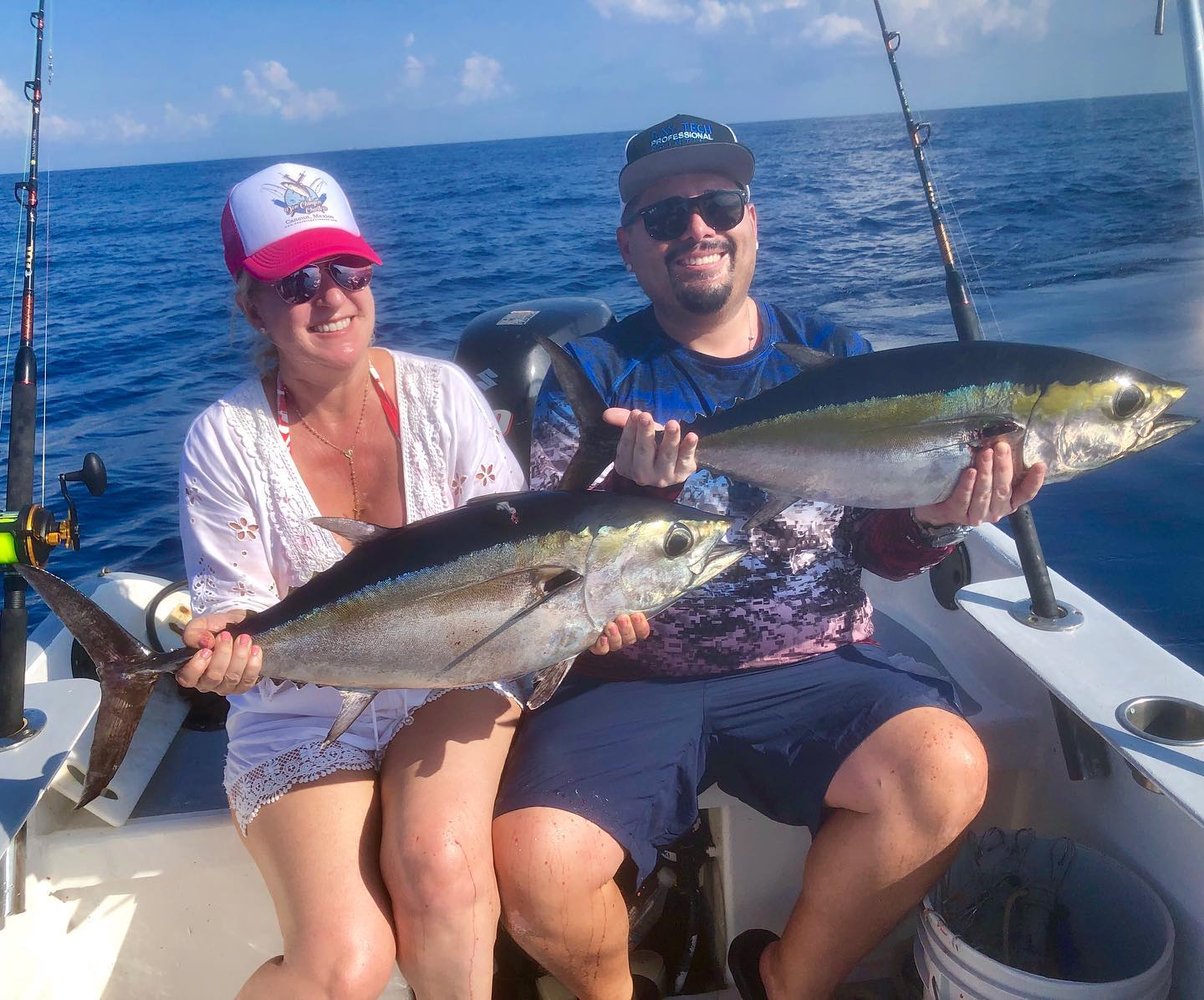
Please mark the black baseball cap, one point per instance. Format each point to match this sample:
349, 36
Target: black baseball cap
683, 144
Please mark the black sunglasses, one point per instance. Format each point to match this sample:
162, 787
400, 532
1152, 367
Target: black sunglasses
667, 219
299, 287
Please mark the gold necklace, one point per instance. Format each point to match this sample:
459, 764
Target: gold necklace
347, 453
753, 332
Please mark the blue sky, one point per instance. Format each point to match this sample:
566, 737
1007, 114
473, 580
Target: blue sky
147, 82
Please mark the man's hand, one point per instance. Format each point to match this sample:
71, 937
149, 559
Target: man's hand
988, 490
223, 663
644, 460
625, 630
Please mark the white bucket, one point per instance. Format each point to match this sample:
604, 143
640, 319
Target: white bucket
1121, 930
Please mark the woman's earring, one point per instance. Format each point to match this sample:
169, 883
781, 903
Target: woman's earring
628, 266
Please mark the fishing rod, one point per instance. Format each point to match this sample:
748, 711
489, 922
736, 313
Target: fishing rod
1045, 611
28, 531
965, 319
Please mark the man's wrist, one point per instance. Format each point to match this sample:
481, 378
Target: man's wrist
938, 535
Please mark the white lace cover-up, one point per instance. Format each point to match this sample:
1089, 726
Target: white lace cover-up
245, 523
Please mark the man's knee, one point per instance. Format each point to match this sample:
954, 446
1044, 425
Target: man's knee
946, 776
546, 859
927, 763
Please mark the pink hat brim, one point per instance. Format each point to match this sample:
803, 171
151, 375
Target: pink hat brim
292, 253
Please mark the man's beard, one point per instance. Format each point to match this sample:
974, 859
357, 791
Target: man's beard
705, 300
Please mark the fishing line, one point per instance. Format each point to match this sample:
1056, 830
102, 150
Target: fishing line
44, 375
963, 246
14, 296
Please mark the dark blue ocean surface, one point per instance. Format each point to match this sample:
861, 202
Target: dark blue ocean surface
1079, 224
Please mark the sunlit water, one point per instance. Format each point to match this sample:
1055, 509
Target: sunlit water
1079, 223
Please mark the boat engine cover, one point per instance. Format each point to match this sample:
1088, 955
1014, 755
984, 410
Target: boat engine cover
500, 354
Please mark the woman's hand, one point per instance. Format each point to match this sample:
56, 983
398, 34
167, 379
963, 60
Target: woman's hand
643, 459
223, 663
626, 630
988, 491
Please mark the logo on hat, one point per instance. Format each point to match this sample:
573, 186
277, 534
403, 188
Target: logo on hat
297, 196
679, 133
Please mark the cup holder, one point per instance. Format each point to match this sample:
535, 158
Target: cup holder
1163, 720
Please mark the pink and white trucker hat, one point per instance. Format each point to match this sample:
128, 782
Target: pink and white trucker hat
287, 216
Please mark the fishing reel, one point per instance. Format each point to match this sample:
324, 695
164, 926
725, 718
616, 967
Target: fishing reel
28, 536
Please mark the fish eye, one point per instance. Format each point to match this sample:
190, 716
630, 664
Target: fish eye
1129, 400
679, 540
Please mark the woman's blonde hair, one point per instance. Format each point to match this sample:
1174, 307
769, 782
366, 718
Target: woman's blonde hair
263, 351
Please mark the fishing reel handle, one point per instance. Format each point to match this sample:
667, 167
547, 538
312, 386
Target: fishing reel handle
29, 535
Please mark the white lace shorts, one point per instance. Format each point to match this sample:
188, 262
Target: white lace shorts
276, 733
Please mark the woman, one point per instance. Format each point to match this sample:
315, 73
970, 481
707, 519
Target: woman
375, 849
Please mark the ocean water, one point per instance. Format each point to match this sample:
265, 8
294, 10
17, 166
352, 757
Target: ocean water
1078, 223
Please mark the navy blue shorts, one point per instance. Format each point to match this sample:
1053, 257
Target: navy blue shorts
633, 756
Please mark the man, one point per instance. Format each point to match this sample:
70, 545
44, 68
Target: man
762, 681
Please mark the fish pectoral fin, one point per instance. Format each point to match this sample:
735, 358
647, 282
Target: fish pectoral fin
355, 700
991, 428
974, 430
549, 578
774, 504
547, 681
806, 357
534, 689
356, 532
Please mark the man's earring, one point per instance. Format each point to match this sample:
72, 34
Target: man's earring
628, 266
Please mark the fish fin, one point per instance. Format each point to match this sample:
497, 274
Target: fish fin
356, 532
517, 689
126, 668
774, 504
991, 428
355, 700
976, 430
547, 681
534, 689
806, 357
554, 577
596, 439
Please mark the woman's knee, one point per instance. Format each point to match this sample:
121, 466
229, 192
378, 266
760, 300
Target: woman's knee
440, 873
344, 961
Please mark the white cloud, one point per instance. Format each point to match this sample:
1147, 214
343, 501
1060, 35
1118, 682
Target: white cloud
64, 128
833, 29
14, 112
713, 14
707, 15
128, 128
183, 122
949, 23
414, 71
270, 90
647, 10
482, 79
409, 42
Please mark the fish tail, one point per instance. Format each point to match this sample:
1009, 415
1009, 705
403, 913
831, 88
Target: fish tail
597, 440
126, 668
